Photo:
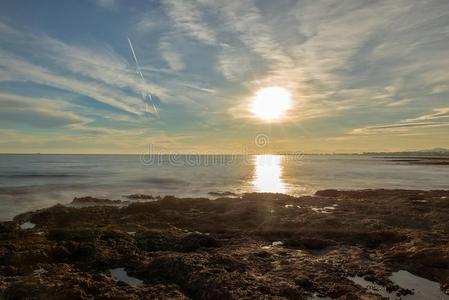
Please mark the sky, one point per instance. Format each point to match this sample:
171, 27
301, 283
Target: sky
364, 75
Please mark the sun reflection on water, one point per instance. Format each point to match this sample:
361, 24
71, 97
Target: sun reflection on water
268, 174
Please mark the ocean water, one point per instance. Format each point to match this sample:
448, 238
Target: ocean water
29, 182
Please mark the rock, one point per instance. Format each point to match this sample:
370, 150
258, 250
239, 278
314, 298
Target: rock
223, 194
61, 254
175, 268
194, 241
166, 241
309, 243
94, 201
140, 197
328, 193
254, 248
304, 282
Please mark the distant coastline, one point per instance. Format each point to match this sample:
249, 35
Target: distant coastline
437, 152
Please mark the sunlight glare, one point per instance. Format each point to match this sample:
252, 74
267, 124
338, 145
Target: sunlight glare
271, 103
268, 174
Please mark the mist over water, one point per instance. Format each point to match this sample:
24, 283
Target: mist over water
29, 182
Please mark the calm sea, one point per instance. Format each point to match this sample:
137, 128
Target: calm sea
29, 182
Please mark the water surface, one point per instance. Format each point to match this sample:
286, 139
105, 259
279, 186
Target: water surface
29, 182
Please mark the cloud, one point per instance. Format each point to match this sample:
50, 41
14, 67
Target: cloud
37, 112
396, 128
234, 64
26, 71
98, 73
313, 48
187, 19
172, 58
439, 113
244, 19
357, 66
439, 118
199, 88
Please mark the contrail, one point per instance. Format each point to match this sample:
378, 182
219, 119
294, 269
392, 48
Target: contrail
144, 95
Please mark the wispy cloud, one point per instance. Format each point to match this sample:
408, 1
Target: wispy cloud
398, 127
187, 18
439, 118
439, 113
22, 70
98, 73
172, 57
37, 112
234, 64
359, 67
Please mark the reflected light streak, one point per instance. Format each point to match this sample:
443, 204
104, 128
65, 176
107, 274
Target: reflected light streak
268, 174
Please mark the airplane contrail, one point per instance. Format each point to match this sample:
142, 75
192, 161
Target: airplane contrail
144, 95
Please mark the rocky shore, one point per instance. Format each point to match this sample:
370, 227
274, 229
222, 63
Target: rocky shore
333, 245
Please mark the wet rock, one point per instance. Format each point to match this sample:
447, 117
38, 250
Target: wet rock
85, 250
255, 247
61, 254
223, 194
304, 282
94, 201
157, 241
194, 241
175, 268
78, 235
140, 197
328, 193
309, 243
165, 241
434, 258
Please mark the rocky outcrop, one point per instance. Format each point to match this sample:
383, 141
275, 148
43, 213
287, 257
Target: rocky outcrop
270, 246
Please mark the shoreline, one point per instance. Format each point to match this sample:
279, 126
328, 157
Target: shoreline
258, 245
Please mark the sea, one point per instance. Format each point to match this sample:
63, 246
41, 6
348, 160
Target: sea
35, 181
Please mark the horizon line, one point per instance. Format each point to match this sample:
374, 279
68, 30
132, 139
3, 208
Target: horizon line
444, 151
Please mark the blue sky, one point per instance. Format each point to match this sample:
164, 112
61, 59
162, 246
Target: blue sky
364, 75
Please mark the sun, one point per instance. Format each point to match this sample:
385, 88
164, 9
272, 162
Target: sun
271, 103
